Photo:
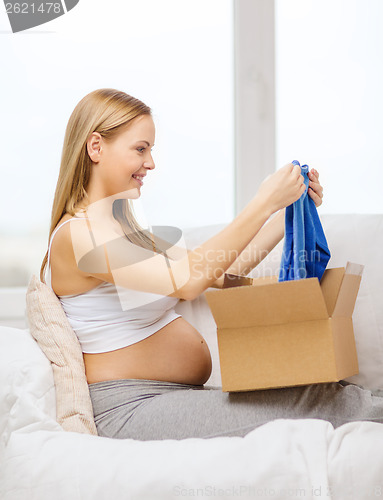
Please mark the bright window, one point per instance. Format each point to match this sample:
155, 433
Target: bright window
329, 100
176, 56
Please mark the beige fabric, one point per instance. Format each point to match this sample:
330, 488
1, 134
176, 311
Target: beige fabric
49, 326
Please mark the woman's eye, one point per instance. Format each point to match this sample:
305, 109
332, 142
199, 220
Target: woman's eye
141, 150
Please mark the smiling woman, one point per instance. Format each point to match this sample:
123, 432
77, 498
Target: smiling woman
120, 164
150, 341
107, 151
145, 365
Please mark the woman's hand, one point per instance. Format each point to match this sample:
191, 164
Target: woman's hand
280, 189
315, 190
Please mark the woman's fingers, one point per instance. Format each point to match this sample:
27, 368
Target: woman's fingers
316, 197
316, 192
315, 172
315, 187
313, 175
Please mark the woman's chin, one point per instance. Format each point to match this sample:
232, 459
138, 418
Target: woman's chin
134, 193
130, 194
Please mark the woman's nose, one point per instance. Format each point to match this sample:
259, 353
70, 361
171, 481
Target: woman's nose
149, 164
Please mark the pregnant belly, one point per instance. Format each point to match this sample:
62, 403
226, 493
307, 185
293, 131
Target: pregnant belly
176, 353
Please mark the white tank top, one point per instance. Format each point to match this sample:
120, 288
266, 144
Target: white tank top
110, 317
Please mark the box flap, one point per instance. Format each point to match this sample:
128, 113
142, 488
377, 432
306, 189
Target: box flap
348, 291
330, 285
271, 304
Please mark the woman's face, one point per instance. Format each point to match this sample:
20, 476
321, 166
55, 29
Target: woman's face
116, 163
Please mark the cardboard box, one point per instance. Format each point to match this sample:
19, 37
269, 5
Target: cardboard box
273, 334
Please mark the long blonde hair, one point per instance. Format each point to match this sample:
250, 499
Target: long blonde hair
104, 111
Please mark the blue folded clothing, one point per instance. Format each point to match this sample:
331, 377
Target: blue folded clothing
305, 251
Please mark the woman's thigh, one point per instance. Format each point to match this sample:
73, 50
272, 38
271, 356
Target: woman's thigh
155, 410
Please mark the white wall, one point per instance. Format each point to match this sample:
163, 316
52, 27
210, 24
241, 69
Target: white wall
175, 55
329, 98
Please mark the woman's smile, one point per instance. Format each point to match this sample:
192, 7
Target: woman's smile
138, 178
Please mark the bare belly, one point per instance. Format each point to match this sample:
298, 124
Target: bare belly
176, 353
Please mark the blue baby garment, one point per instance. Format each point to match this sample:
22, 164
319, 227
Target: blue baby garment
305, 251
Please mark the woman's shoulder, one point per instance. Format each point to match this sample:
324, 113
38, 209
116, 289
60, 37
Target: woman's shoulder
62, 233
67, 278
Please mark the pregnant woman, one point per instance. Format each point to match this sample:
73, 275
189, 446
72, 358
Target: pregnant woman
118, 284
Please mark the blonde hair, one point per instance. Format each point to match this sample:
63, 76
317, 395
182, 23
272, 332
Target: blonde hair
104, 111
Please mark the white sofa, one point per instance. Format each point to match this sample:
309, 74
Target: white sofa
305, 458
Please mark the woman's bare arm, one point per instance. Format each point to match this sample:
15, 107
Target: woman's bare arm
109, 257
99, 253
259, 247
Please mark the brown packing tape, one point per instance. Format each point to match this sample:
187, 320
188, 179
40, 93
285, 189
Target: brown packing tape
232, 280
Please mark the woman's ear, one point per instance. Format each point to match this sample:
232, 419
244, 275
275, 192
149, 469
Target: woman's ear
93, 145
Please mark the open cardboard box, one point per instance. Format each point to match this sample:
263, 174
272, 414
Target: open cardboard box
279, 334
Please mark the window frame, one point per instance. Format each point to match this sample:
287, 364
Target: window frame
254, 100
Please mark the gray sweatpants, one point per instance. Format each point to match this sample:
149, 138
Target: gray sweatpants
145, 409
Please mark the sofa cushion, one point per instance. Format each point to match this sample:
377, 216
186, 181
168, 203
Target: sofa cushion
49, 326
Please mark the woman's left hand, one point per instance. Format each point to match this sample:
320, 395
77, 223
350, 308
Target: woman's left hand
315, 189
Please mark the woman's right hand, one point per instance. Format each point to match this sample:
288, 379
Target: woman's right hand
282, 188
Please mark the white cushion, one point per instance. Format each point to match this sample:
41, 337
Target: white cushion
27, 391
